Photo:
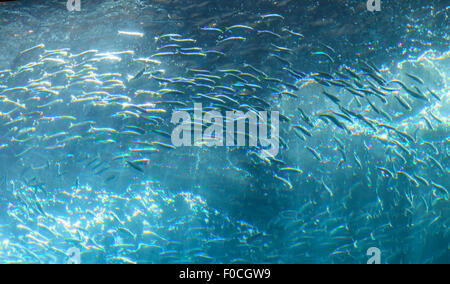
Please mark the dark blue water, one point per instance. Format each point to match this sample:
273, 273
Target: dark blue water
90, 171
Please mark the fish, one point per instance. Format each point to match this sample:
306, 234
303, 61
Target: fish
334, 120
436, 96
315, 153
320, 53
272, 16
415, 78
403, 103
303, 130
333, 98
244, 27
229, 39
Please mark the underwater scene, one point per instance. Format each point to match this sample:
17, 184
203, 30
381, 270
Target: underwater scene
224, 132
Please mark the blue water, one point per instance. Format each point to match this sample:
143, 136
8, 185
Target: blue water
90, 172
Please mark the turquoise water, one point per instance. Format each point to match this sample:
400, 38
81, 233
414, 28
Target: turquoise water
90, 171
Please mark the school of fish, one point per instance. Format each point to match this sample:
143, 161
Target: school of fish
88, 162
